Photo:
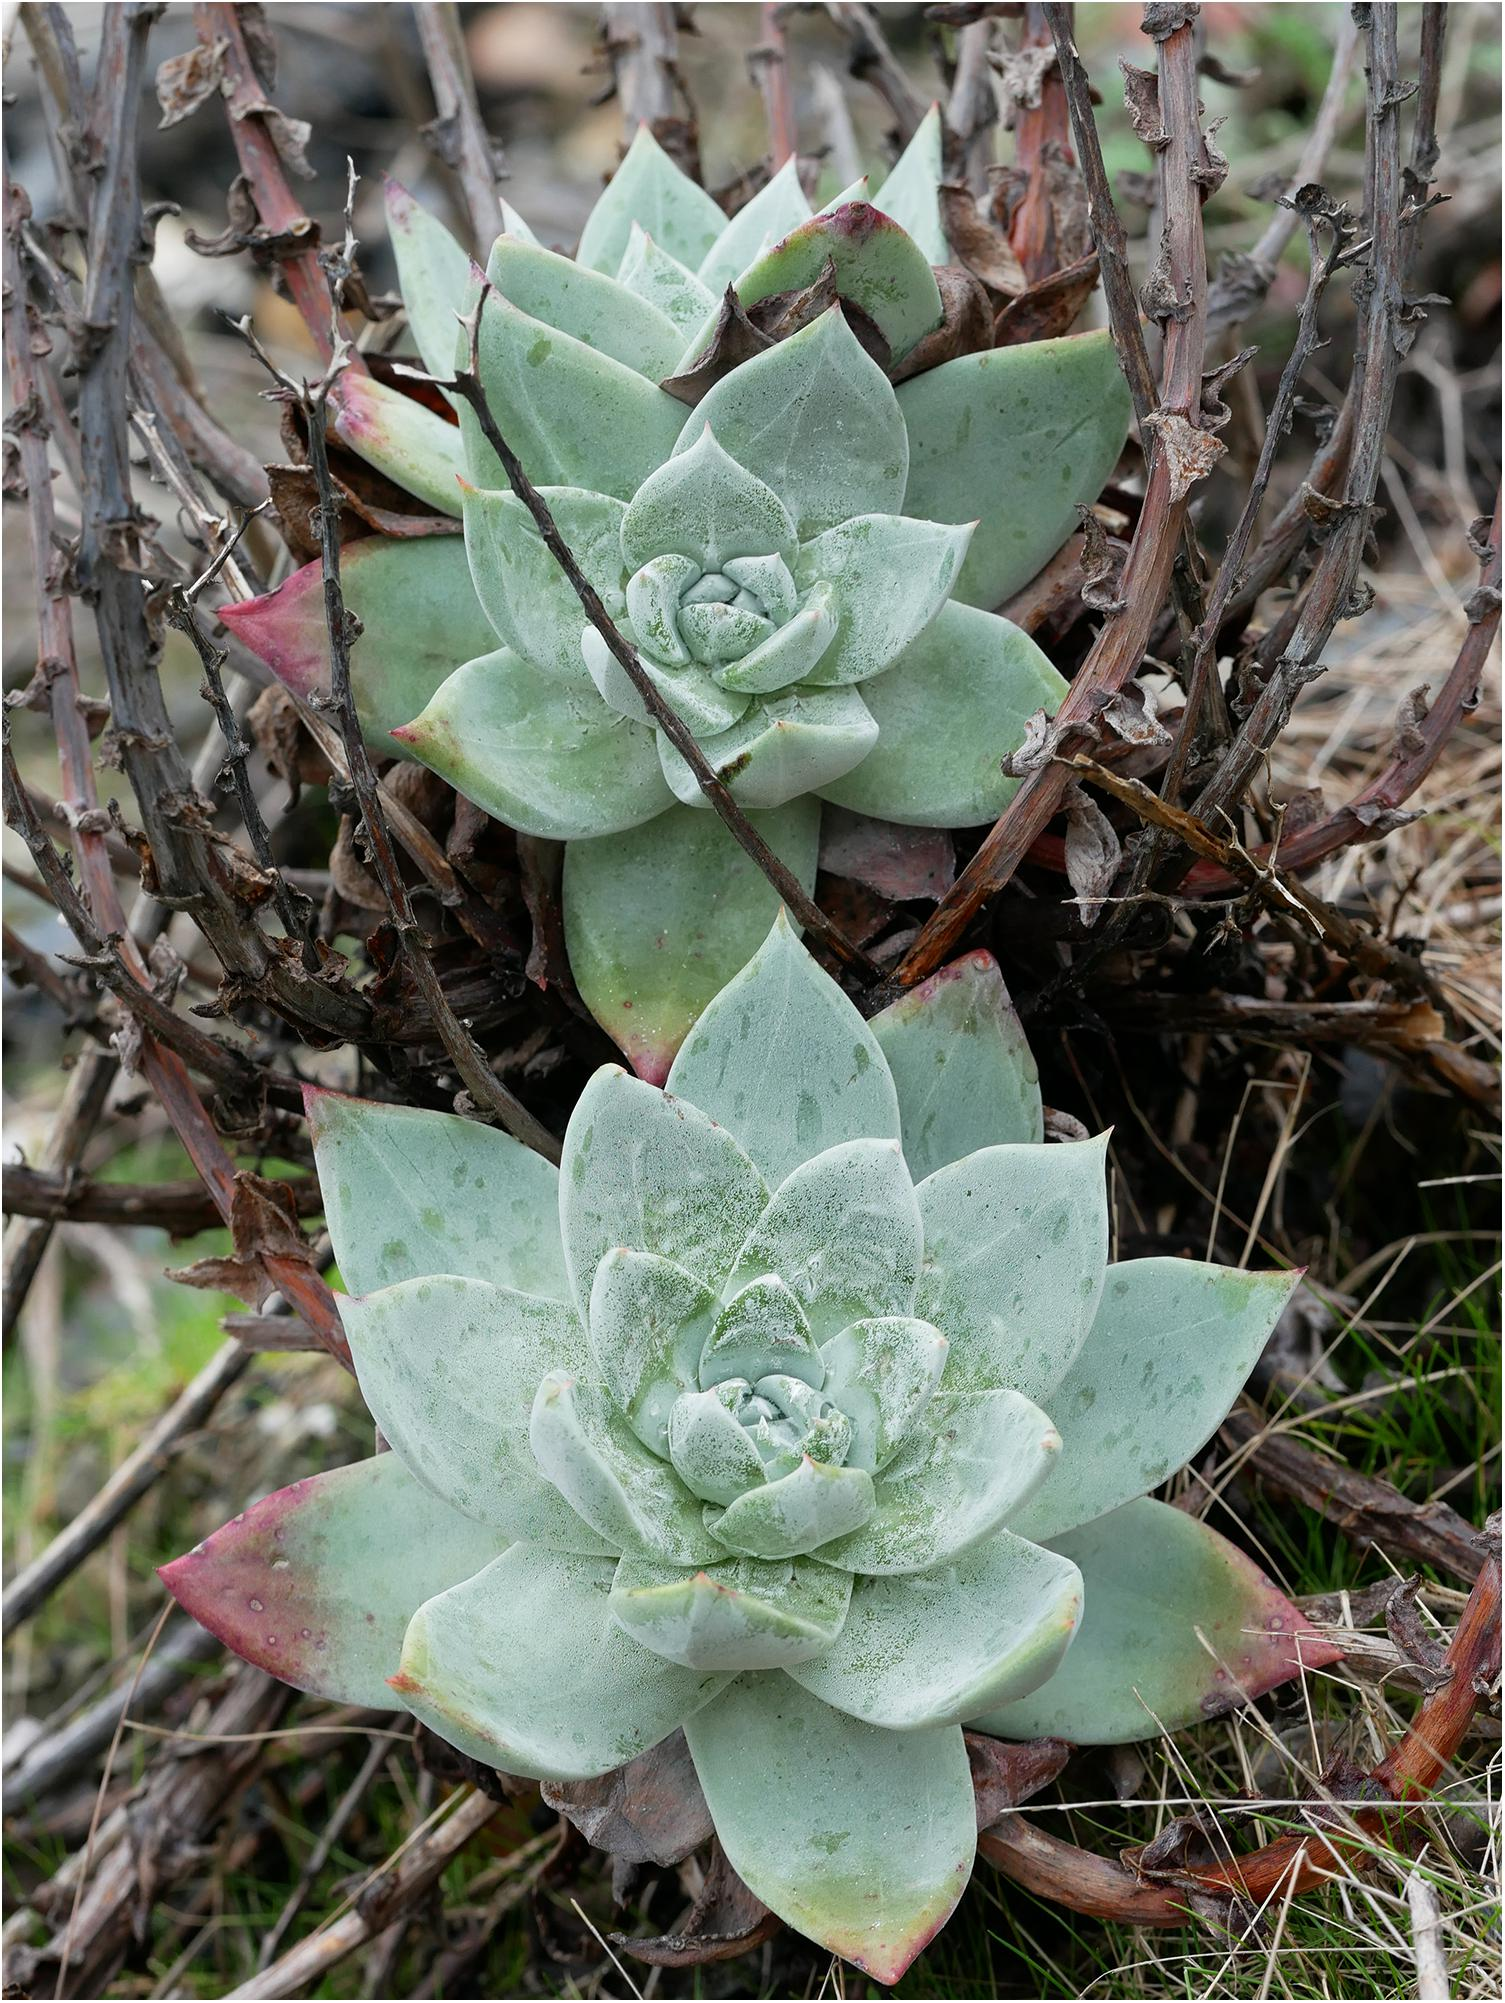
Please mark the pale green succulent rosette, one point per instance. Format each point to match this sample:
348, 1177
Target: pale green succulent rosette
806, 560
800, 1410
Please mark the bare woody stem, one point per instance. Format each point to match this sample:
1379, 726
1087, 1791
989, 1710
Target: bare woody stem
467, 383
458, 135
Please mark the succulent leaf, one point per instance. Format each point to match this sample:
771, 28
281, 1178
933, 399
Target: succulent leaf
654, 1174
1178, 1627
586, 304
627, 1494
574, 417
792, 653
523, 1668
842, 1232
706, 709
860, 1838
798, 742
413, 445
817, 420
448, 1369
911, 194
408, 1193
649, 1321
712, 1451
1168, 1351
703, 504
1016, 436
762, 1329
796, 1514
653, 274
890, 576
659, 919
1016, 1248
936, 1648
524, 592
419, 614
882, 1374
432, 274
950, 708
649, 189
781, 1017
739, 1615
777, 208
964, 1073
545, 756
312, 1585
877, 266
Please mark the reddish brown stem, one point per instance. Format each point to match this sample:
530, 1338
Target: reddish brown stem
1032, 231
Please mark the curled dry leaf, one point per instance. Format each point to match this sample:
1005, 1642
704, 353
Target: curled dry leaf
1190, 454
1048, 309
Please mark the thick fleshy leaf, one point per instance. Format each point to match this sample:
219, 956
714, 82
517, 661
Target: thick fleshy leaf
792, 653
658, 920
586, 304
796, 1514
413, 445
962, 1473
704, 505
628, 1495
773, 212
448, 1368
952, 706
574, 417
524, 1668
1179, 1626
712, 1451
882, 1374
1167, 1354
878, 267
891, 576
525, 594
785, 745
545, 756
782, 1017
705, 709
734, 1616
654, 1174
964, 1073
514, 224
861, 1839
911, 193
816, 418
1016, 1248
935, 1648
761, 1331
317, 1583
649, 189
843, 1232
653, 274
408, 1192
433, 272
1016, 436
649, 1320
420, 618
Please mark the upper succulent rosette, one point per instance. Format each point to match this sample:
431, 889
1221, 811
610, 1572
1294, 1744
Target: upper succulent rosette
805, 558
739, 1424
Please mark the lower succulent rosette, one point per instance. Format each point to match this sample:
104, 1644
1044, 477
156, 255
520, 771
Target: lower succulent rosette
800, 1410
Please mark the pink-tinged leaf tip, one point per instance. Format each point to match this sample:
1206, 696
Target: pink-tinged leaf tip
286, 629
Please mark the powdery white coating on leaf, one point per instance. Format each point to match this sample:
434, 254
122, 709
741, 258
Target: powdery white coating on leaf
653, 274
401, 437
958, 1478
817, 419
1170, 1347
882, 1374
713, 1453
523, 1667
649, 1321
789, 744
761, 1329
545, 756
316, 1584
448, 1368
525, 594
705, 709
735, 1616
586, 304
860, 1838
782, 1017
634, 1500
703, 504
911, 193
1179, 1626
890, 577
961, 1065
1016, 1247
432, 273
796, 1514
408, 1192
935, 1648
843, 1232
645, 1170
649, 189
792, 652
778, 207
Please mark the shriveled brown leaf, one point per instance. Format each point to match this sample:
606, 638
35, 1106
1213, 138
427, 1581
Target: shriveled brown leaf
979, 245
966, 324
1045, 311
650, 1811
725, 1921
